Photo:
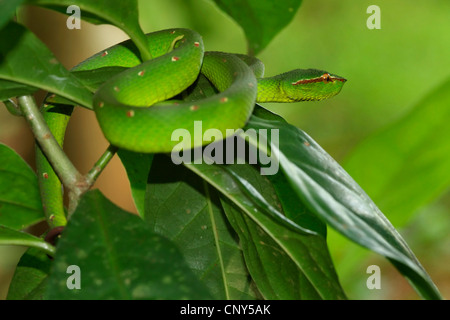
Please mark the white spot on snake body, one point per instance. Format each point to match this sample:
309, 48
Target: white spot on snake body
130, 113
101, 104
104, 53
194, 108
116, 89
196, 43
141, 73
175, 59
224, 99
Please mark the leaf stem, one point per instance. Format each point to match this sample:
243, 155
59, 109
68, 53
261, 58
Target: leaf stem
94, 173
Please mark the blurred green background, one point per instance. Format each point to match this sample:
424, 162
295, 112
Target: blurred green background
388, 70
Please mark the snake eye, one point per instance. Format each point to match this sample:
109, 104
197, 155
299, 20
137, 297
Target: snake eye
326, 78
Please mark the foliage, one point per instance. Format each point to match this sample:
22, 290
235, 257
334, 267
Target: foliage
220, 231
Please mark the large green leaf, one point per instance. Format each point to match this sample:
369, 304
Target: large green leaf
307, 251
30, 278
119, 257
181, 206
24, 59
406, 165
281, 259
122, 14
20, 202
329, 192
10, 236
8, 10
261, 20
293, 207
276, 274
184, 208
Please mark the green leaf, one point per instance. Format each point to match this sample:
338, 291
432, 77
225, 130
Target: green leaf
10, 236
20, 202
291, 265
308, 252
91, 79
293, 208
119, 258
10, 89
13, 108
122, 14
17, 46
30, 278
406, 165
329, 192
184, 208
137, 166
261, 20
8, 10
265, 206
277, 276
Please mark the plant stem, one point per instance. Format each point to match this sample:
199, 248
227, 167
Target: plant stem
73, 181
66, 171
93, 174
90, 178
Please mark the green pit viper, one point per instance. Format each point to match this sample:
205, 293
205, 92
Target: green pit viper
134, 109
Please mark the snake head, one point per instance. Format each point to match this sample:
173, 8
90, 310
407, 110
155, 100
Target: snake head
310, 85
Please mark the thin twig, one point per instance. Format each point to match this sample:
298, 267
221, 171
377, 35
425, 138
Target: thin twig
94, 173
90, 178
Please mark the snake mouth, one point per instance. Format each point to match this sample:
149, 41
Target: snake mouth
337, 78
325, 78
